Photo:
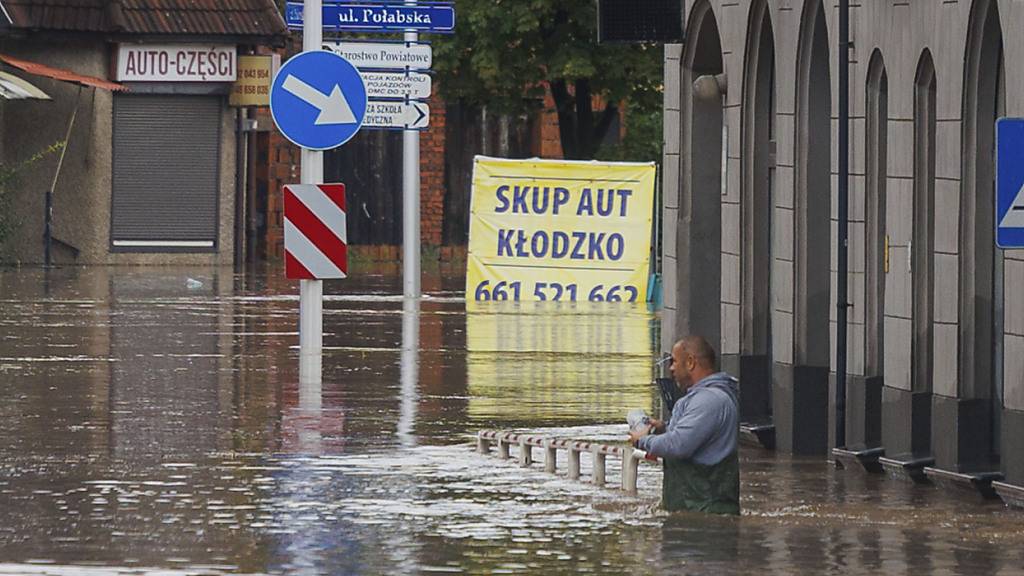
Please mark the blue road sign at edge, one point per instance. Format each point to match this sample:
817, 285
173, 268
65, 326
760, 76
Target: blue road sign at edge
318, 100
428, 17
1010, 183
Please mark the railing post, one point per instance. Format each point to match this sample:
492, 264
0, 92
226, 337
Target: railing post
525, 452
630, 469
574, 462
550, 456
503, 446
599, 453
598, 458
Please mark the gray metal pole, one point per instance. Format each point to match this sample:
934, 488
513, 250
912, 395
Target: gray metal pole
311, 292
844, 227
411, 204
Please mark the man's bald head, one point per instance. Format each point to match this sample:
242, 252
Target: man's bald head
700, 349
693, 358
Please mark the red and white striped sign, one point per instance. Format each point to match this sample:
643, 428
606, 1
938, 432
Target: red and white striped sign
314, 232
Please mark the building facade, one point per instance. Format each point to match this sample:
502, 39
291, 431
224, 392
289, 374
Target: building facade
936, 328
151, 172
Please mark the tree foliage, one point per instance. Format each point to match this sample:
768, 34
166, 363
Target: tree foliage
506, 52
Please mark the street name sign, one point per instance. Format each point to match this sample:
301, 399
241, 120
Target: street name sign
384, 55
403, 115
315, 240
318, 100
429, 17
413, 86
1010, 183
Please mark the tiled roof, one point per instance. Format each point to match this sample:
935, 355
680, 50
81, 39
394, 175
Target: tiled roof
178, 17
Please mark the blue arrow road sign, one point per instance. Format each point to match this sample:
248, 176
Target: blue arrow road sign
435, 17
318, 100
1010, 183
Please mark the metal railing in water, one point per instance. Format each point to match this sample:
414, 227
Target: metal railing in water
631, 457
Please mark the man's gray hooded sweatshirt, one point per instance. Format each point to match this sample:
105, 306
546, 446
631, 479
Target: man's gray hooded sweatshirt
704, 423
699, 448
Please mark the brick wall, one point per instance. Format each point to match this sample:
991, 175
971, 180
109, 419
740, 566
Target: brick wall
284, 162
283, 168
432, 143
547, 143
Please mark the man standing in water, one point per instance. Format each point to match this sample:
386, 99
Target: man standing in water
699, 443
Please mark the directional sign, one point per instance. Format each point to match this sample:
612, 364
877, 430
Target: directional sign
413, 85
437, 17
318, 100
384, 55
1010, 183
397, 115
315, 239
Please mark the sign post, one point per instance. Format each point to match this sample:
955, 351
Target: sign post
395, 105
411, 199
311, 292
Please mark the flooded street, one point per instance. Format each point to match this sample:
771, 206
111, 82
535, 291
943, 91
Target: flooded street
152, 422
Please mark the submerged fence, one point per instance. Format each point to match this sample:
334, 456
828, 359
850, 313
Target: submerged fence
599, 453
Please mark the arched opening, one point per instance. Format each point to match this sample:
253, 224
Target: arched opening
758, 124
876, 170
922, 255
699, 224
864, 426
980, 335
813, 193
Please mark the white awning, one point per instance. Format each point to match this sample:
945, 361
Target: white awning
14, 88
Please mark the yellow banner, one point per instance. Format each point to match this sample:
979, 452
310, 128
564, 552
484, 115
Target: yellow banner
554, 230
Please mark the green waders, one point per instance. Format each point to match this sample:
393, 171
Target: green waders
690, 486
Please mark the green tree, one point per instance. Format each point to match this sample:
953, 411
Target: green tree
504, 51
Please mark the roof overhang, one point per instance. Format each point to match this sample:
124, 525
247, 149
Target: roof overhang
61, 74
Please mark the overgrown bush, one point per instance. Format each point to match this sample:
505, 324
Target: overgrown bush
8, 190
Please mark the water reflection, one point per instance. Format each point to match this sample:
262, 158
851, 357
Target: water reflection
555, 363
709, 542
151, 424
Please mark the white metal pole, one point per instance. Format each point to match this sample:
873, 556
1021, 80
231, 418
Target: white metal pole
411, 204
311, 292
410, 371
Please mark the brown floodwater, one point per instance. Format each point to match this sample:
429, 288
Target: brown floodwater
152, 422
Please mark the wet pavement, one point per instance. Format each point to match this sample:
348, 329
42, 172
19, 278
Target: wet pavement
150, 424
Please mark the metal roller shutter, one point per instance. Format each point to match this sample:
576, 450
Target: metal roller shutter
166, 172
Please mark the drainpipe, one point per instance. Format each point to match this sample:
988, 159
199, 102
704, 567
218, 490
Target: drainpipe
250, 189
240, 135
844, 228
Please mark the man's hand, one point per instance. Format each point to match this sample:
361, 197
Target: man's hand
657, 426
635, 435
